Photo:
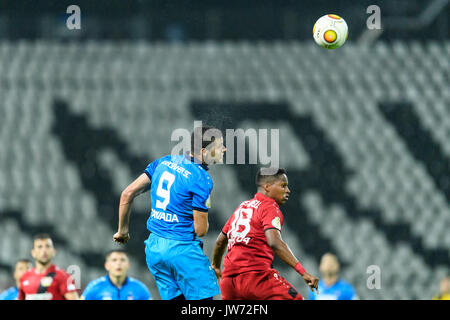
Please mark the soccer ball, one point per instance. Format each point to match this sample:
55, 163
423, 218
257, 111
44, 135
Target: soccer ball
330, 31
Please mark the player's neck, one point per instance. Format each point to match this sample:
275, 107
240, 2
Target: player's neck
330, 281
263, 192
198, 157
41, 268
118, 281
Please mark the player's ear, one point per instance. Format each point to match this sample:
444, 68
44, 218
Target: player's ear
267, 187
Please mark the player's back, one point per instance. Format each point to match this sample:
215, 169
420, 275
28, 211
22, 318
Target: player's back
179, 186
248, 249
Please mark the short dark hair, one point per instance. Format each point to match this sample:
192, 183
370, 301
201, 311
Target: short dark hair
24, 260
115, 250
199, 135
41, 236
268, 178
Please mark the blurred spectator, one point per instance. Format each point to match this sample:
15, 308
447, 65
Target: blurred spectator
330, 286
46, 281
116, 285
444, 289
22, 266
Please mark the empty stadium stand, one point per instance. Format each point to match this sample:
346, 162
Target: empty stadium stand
364, 135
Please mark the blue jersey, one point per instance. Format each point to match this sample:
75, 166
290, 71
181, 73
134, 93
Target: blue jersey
179, 186
10, 294
341, 290
103, 289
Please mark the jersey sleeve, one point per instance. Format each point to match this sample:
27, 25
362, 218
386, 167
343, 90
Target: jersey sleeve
89, 292
144, 292
21, 294
66, 283
201, 191
226, 228
272, 218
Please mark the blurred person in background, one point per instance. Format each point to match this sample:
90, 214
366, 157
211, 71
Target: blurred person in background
22, 266
444, 289
331, 287
46, 281
116, 285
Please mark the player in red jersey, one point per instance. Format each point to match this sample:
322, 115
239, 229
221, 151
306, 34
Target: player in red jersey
252, 236
46, 281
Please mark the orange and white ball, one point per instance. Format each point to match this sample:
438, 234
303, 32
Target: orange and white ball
330, 31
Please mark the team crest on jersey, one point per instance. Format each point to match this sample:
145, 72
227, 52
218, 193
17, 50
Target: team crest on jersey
276, 223
46, 281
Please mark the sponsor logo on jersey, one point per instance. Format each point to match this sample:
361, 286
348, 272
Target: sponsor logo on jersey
39, 296
46, 281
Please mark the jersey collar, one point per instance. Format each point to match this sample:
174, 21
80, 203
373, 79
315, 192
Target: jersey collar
259, 196
51, 268
195, 161
112, 283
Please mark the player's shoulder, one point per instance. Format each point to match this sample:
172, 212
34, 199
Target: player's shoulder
102, 281
136, 282
60, 272
27, 274
8, 293
344, 285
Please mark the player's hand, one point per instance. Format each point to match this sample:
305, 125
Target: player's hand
311, 281
121, 238
217, 271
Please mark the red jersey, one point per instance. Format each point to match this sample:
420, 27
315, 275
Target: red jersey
248, 249
52, 284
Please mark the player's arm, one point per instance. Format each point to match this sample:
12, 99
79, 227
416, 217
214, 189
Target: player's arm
201, 224
218, 251
138, 186
282, 250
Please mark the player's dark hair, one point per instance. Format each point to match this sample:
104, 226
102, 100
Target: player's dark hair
115, 250
41, 236
24, 260
202, 137
261, 178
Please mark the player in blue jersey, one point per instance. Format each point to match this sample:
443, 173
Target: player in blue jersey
180, 198
116, 285
331, 287
22, 266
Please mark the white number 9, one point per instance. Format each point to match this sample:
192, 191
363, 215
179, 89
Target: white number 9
164, 193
